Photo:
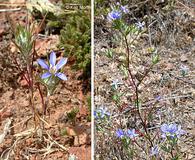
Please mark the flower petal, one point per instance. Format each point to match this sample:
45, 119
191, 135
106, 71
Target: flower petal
129, 132
52, 58
172, 128
45, 75
119, 133
61, 76
163, 128
61, 63
42, 64
154, 151
164, 135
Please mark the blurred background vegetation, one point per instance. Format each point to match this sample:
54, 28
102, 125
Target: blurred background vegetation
75, 35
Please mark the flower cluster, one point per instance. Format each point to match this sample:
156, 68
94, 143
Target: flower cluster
171, 130
114, 15
129, 133
117, 12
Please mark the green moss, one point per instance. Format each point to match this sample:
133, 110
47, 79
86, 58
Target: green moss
72, 114
75, 39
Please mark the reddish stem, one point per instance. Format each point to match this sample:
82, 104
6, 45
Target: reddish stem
42, 99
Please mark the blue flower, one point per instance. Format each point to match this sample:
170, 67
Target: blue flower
53, 68
158, 98
115, 83
154, 151
184, 70
168, 130
131, 133
114, 15
120, 133
124, 9
180, 131
101, 113
171, 130
140, 25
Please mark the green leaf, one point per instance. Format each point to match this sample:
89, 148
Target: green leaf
116, 98
109, 53
166, 149
155, 58
124, 70
24, 40
175, 158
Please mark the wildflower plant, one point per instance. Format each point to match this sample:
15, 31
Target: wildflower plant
136, 139
52, 72
171, 134
127, 138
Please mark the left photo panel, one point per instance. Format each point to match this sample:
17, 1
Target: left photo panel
45, 79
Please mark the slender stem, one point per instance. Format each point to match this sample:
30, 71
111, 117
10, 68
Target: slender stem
136, 90
128, 63
145, 74
172, 156
31, 90
139, 146
18, 66
46, 102
128, 51
41, 24
42, 99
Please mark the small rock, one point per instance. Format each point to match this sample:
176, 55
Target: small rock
23, 83
81, 139
82, 153
70, 131
184, 58
169, 66
192, 131
2, 31
13, 48
6, 114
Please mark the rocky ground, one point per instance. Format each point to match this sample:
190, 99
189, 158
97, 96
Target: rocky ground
173, 36
62, 138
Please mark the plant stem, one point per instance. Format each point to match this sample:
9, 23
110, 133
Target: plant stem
42, 99
18, 66
46, 102
136, 91
145, 74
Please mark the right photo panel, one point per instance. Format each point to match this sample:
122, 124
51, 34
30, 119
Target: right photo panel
144, 80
